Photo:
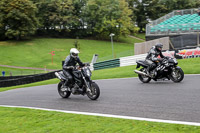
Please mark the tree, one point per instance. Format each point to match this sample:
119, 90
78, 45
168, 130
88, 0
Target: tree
103, 17
145, 10
78, 7
179, 4
155, 9
17, 18
197, 4
56, 15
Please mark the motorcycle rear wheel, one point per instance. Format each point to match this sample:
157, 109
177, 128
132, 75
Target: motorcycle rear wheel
142, 78
177, 75
63, 94
94, 91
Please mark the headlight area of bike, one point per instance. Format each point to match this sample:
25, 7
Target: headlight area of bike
175, 61
87, 72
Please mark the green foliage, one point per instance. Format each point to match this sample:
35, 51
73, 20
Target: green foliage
143, 10
179, 4
17, 18
83, 18
108, 16
56, 14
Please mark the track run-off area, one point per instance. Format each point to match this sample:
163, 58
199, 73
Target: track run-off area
161, 101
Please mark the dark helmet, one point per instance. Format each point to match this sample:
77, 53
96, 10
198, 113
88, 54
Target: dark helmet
159, 46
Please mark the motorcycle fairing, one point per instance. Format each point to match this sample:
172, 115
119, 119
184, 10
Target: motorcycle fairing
142, 63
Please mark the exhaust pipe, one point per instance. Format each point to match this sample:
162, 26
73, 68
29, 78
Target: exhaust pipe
141, 73
58, 76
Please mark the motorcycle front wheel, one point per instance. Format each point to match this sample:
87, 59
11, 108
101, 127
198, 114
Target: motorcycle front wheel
62, 91
142, 78
177, 75
94, 92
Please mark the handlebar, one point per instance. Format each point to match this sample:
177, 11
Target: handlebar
79, 68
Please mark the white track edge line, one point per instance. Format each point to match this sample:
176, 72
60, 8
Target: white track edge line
109, 115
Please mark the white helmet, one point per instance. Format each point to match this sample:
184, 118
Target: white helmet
74, 52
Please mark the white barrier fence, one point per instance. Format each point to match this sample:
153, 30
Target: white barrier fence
126, 61
131, 60
91, 67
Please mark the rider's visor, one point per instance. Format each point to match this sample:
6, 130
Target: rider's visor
74, 54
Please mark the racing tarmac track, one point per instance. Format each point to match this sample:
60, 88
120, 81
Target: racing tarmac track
127, 97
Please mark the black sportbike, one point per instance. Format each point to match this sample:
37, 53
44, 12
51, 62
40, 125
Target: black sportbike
166, 69
81, 85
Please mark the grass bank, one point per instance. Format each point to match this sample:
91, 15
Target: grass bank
141, 36
36, 121
35, 53
18, 72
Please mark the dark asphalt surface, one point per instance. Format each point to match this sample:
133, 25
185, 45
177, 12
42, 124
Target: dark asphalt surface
128, 97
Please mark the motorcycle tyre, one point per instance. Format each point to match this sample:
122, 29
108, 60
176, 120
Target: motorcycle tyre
66, 95
179, 80
142, 79
94, 85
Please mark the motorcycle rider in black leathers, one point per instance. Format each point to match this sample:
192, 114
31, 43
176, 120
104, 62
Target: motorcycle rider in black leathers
69, 65
153, 60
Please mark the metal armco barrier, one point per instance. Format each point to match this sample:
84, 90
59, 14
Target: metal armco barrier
107, 64
20, 80
11, 77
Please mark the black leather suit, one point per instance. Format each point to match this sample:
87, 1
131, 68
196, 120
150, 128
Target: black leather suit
67, 70
152, 58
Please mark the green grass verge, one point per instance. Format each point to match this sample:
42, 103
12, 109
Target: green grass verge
35, 53
118, 72
18, 120
190, 66
18, 72
140, 35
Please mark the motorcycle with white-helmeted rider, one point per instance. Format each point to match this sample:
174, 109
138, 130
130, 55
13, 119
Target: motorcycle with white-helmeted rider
157, 66
76, 79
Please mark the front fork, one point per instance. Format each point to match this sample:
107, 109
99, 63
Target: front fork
87, 83
173, 72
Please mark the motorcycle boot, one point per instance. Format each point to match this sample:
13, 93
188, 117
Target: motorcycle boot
148, 71
65, 83
153, 73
